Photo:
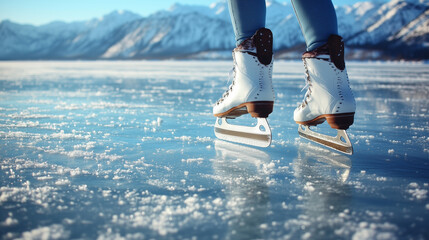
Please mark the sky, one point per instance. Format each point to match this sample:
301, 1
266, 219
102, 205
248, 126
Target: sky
44, 11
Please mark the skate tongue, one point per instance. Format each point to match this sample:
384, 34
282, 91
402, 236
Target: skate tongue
259, 135
341, 142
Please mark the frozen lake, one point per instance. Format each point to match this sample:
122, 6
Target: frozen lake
104, 150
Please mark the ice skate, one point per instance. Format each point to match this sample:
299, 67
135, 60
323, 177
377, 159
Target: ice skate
251, 92
328, 96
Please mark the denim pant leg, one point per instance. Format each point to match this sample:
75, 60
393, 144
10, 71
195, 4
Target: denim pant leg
317, 19
247, 16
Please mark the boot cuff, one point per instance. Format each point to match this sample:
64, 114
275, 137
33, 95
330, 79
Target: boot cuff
334, 48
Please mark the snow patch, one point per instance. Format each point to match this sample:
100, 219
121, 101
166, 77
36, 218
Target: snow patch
54, 231
416, 192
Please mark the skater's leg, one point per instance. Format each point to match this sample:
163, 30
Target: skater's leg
251, 88
317, 19
329, 96
247, 16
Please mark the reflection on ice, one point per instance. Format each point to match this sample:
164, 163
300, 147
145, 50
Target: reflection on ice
322, 174
338, 164
241, 170
125, 150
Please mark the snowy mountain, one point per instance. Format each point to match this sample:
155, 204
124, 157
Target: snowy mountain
396, 29
60, 40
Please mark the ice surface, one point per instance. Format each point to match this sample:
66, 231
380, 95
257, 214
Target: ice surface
110, 150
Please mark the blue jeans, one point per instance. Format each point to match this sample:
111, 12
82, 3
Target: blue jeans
317, 19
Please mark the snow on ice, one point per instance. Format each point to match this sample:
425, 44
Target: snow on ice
125, 149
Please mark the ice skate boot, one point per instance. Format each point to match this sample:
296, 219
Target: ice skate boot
251, 92
328, 96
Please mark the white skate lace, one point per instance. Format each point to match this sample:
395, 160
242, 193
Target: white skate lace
306, 87
231, 75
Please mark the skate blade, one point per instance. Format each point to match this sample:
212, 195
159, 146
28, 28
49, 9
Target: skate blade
259, 135
341, 142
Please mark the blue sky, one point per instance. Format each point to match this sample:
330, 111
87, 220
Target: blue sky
43, 11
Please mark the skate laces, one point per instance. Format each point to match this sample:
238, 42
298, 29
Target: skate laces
231, 75
306, 87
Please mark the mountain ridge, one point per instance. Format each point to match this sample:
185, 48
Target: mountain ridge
398, 29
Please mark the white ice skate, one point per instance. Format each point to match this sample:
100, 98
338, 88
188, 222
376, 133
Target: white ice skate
328, 97
251, 92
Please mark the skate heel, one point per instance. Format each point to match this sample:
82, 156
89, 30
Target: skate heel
260, 109
340, 121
